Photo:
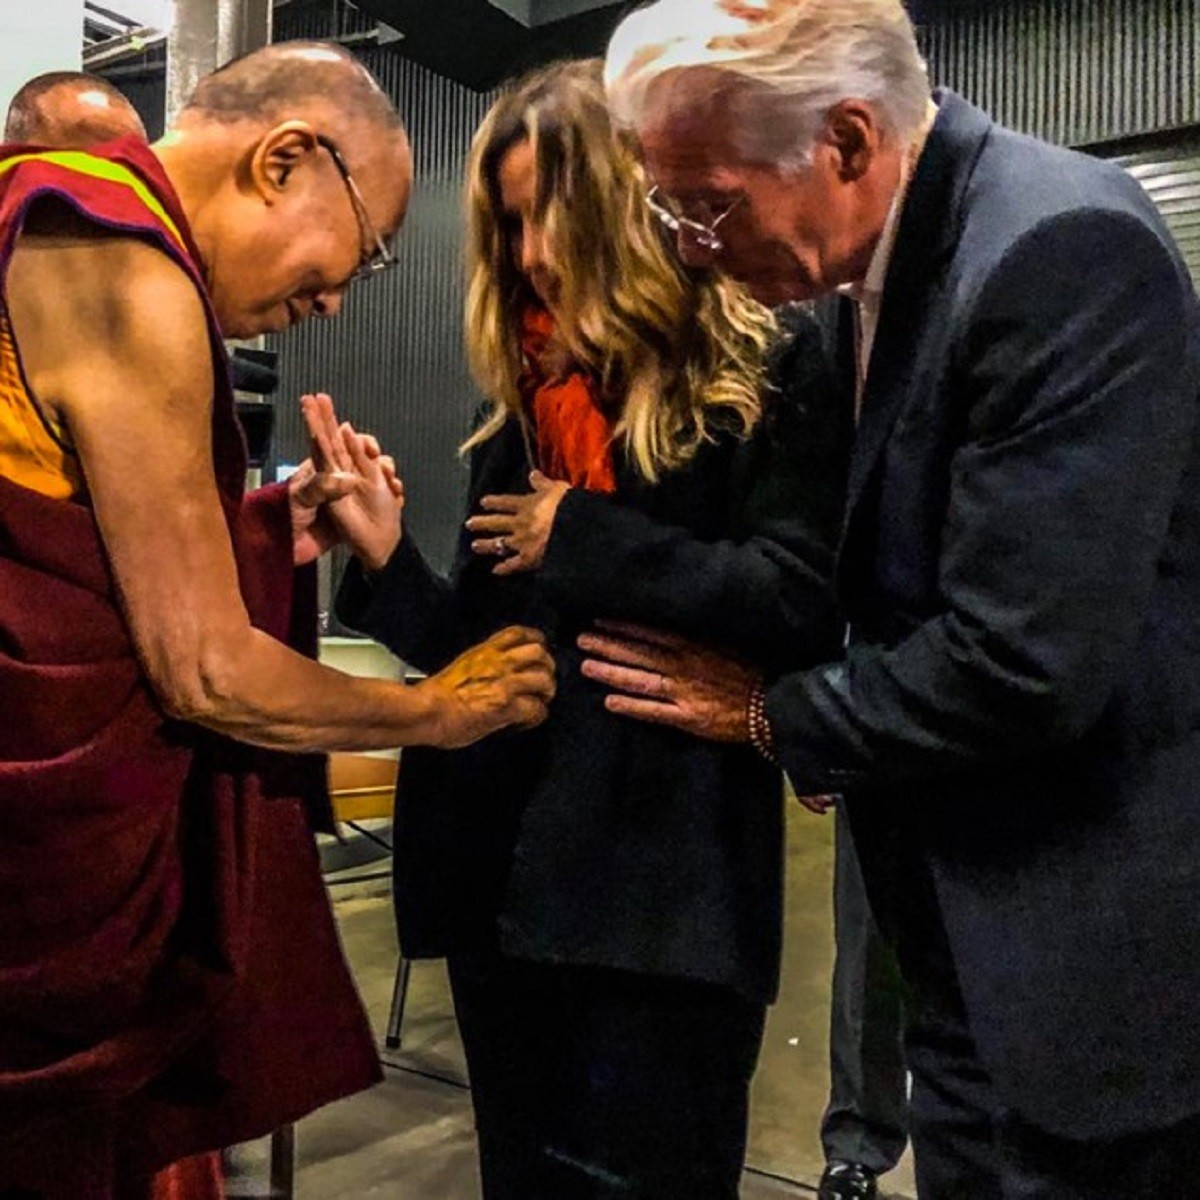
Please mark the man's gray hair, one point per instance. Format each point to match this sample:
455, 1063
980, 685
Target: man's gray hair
793, 59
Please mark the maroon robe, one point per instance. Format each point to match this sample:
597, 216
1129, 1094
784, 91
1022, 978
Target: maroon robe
171, 979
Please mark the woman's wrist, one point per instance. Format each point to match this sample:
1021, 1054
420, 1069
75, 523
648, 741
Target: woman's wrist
374, 559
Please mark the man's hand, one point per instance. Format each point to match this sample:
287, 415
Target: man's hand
507, 680
667, 680
818, 804
366, 515
516, 529
309, 491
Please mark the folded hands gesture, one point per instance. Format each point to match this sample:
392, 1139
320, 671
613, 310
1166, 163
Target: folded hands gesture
347, 491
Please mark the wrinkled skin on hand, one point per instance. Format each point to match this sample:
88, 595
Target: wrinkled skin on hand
667, 680
506, 681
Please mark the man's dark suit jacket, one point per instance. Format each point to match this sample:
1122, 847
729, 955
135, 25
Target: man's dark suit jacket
1021, 566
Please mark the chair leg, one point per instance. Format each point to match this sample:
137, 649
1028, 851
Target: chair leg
399, 996
283, 1163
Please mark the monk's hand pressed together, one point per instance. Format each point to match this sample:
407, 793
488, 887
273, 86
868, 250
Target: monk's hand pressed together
310, 491
667, 680
516, 529
367, 514
347, 491
507, 680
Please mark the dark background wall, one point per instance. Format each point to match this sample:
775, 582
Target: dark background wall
1117, 77
1072, 71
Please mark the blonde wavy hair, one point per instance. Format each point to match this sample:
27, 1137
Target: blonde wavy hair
679, 353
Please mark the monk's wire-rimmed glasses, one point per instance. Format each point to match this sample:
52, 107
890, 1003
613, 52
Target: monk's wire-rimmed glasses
705, 236
383, 259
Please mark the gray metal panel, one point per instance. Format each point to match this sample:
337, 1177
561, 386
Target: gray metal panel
1083, 72
146, 90
319, 19
1171, 177
1069, 71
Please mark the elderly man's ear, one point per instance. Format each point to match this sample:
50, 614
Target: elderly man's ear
852, 133
279, 152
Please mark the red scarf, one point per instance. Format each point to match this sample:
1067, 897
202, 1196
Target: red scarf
574, 433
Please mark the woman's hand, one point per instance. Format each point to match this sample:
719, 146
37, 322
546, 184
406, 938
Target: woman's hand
367, 515
516, 529
667, 680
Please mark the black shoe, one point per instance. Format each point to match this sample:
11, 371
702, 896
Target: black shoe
847, 1181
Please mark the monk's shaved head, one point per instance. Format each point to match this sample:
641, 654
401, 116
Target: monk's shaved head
282, 81
295, 171
70, 109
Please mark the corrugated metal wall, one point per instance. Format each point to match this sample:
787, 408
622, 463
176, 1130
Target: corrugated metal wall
1070, 71
1106, 74
145, 86
1171, 176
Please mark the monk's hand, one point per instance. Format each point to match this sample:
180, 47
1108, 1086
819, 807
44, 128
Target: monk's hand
667, 680
309, 492
506, 681
516, 529
367, 516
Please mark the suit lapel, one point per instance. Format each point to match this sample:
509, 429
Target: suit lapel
928, 233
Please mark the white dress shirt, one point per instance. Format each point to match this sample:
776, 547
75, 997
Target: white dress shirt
868, 294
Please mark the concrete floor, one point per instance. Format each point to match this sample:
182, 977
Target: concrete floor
411, 1137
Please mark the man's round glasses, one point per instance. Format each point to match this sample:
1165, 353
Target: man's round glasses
704, 235
383, 259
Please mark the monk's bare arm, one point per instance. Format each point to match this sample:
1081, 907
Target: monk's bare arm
113, 337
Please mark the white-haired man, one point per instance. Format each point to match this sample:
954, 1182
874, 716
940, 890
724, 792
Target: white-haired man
1016, 721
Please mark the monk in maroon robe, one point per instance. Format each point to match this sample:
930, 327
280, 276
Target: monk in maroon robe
170, 976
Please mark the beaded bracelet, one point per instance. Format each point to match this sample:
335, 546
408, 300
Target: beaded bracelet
761, 737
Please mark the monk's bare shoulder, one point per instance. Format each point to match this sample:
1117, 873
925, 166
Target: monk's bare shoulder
86, 300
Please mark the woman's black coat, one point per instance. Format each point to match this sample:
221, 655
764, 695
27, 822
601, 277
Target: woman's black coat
595, 839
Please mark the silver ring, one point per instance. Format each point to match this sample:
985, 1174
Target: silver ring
501, 547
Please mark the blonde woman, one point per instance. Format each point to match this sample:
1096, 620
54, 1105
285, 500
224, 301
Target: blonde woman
608, 895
